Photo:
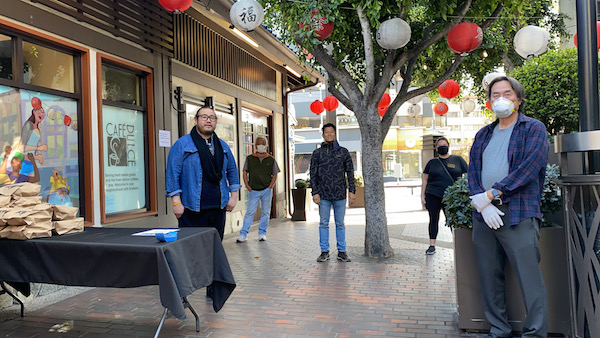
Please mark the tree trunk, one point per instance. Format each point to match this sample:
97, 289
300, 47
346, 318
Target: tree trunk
377, 241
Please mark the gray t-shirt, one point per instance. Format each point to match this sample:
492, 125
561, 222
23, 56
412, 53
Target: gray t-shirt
494, 167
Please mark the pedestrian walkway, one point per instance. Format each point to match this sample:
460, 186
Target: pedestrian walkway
283, 292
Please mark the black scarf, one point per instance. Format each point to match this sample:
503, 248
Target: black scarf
213, 169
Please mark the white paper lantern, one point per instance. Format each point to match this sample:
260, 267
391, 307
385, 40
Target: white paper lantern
531, 41
410, 142
393, 34
246, 15
485, 83
467, 105
417, 98
413, 110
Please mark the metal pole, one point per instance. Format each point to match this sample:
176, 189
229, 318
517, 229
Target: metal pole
587, 57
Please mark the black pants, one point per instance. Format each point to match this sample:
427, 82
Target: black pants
209, 218
434, 204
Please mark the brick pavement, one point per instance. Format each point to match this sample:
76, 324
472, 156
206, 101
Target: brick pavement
283, 292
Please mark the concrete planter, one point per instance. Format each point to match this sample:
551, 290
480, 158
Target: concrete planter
554, 268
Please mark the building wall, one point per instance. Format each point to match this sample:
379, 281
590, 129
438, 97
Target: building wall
166, 74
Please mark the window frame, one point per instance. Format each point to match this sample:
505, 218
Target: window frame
147, 95
81, 93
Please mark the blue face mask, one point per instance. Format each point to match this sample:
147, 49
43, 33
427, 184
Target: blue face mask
503, 107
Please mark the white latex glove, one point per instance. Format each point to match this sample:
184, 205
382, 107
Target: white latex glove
491, 216
480, 201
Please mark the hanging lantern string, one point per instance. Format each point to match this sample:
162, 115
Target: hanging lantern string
496, 17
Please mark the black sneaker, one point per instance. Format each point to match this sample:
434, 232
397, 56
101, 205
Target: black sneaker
323, 257
342, 256
430, 250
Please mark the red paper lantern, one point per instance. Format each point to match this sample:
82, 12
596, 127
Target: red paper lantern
385, 100
176, 6
488, 105
464, 37
67, 120
36, 102
440, 108
382, 110
321, 28
317, 107
330, 103
449, 89
597, 35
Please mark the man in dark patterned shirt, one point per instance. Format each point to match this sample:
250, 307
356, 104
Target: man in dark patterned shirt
330, 168
506, 177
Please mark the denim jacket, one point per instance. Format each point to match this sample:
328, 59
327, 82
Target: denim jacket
184, 173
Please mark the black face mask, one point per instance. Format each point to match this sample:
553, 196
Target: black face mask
442, 150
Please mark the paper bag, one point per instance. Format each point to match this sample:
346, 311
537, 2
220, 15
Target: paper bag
2, 212
9, 190
27, 189
4, 201
63, 212
27, 216
68, 226
25, 201
42, 229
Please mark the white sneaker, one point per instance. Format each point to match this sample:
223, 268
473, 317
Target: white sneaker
241, 239
262, 237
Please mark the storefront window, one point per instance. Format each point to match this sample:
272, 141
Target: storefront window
46, 127
254, 125
47, 67
120, 86
124, 141
6, 57
124, 160
225, 125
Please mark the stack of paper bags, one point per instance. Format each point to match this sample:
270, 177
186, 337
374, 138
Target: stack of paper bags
64, 220
24, 216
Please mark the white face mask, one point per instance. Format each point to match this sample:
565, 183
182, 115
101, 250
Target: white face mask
261, 148
503, 107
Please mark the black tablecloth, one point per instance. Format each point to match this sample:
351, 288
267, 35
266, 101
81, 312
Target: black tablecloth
112, 257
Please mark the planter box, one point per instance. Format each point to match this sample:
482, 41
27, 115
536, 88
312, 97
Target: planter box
359, 201
554, 268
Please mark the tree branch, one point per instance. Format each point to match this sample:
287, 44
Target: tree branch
404, 57
368, 42
334, 70
492, 17
340, 96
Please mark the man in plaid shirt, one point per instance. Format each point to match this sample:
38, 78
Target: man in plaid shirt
506, 177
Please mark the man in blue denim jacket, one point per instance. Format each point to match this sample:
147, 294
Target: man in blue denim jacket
202, 177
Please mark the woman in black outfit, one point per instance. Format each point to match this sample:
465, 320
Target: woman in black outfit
440, 173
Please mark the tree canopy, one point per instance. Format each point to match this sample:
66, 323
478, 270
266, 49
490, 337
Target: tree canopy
550, 82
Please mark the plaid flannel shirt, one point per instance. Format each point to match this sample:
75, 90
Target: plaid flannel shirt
527, 158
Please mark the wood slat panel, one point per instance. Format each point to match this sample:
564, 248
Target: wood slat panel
142, 22
202, 48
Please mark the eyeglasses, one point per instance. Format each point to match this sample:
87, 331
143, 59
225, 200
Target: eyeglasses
207, 117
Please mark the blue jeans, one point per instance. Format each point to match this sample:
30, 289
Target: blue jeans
339, 211
264, 196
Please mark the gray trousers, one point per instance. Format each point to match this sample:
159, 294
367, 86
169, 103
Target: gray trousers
519, 244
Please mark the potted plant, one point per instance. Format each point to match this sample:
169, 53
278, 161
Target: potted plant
459, 217
359, 184
299, 199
